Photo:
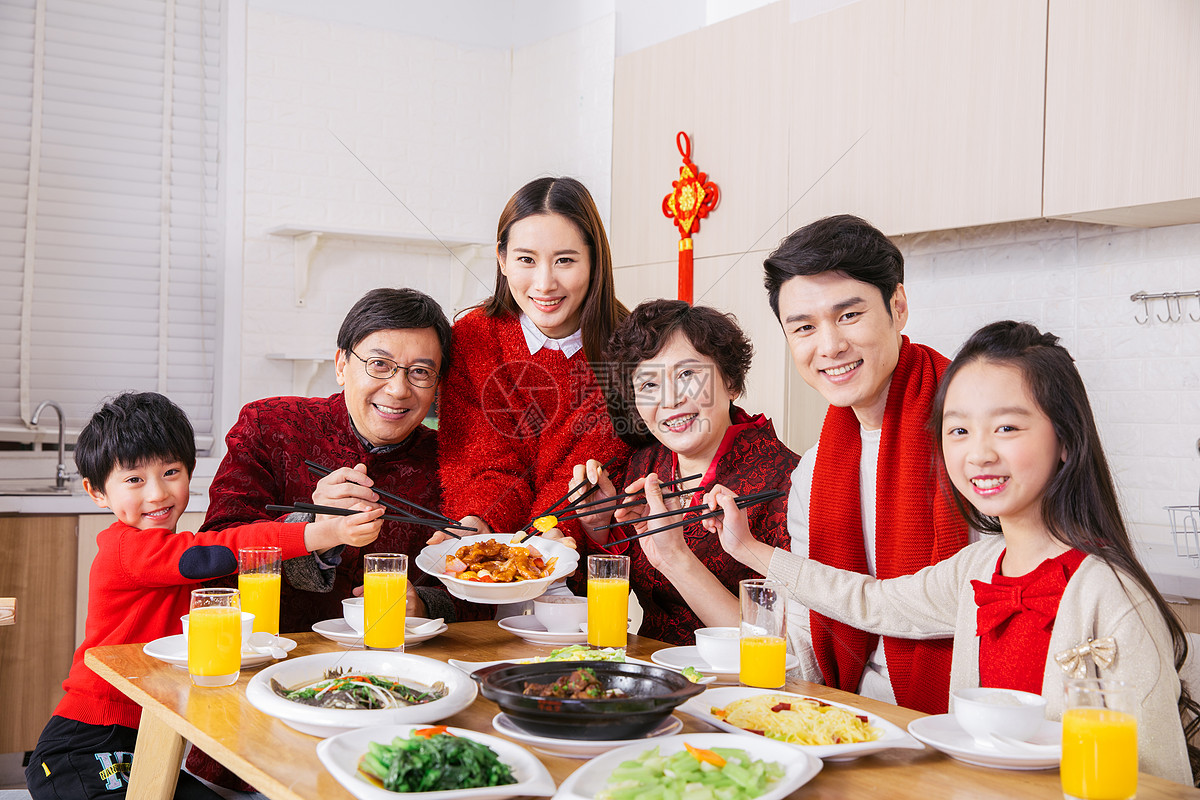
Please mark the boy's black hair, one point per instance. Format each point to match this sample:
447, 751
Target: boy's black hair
130, 429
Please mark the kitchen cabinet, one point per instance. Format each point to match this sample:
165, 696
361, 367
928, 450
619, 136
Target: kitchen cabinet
35, 653
1122, 111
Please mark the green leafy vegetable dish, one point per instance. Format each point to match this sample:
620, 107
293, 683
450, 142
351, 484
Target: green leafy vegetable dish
580, 652
432, 760
693, 773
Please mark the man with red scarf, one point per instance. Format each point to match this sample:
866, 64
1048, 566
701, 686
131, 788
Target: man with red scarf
865, 497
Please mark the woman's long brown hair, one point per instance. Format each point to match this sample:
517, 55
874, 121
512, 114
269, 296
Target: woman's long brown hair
567, 197
1079, 505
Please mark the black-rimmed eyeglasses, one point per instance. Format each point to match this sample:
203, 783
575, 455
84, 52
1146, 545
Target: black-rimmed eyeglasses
418, 375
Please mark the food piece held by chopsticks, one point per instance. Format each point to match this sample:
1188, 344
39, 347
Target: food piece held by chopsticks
545, 523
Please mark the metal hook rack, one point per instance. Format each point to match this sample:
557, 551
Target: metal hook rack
1177, 316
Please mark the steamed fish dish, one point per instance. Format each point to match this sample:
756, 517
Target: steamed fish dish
358, 691
494, 562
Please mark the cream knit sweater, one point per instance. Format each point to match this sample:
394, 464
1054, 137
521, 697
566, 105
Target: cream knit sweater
938, 601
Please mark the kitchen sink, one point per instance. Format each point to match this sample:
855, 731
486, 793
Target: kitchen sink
37, 487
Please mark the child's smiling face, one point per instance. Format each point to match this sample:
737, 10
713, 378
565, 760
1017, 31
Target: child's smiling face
1000, 448
151, 494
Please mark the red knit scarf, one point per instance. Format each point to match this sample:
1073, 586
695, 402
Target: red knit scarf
915, 526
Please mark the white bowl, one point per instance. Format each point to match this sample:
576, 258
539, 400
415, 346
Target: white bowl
340, 755
432, 560
354, 611
983, 711
561, 613
323, 722
720, 647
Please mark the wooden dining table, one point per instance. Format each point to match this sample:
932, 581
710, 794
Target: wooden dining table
282, 762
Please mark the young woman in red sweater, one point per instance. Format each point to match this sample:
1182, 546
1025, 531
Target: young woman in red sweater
522, 404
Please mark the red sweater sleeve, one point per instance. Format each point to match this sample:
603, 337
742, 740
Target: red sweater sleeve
157, 557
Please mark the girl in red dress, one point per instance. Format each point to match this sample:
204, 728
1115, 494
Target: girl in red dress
521, 402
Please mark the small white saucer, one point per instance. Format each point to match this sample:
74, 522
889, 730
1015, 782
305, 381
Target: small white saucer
173, 650
339, 630
531, 630
942, 732
679, 657
576, 748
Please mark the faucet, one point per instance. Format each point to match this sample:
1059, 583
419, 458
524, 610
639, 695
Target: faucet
60, 476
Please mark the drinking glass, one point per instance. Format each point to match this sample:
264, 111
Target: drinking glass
763, 646
214, 641
607, 600
385, 584
1099, 740
258, 581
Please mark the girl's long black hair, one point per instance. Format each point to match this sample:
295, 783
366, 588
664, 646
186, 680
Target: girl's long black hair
1079, 506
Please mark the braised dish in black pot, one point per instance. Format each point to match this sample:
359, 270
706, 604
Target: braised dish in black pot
650, 694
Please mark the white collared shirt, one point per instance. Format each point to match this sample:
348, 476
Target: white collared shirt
535, 340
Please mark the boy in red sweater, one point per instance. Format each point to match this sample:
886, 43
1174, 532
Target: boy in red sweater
136, 457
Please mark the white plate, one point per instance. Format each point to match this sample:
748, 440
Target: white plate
893, 736
577, 748
340, 756
800, 768
339, 630
173, 650
679, 657
530, 629
432, 560
470, 666
461, 690
942, 732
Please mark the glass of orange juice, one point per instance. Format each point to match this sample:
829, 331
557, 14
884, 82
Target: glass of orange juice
385, 584
214, 641
607, 600
258, 581
763, 646
1099, 740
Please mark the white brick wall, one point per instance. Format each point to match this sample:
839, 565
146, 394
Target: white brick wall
1075, 280
433, 121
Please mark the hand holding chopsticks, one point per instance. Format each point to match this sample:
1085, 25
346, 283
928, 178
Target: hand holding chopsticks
579, 479
395, 504
742, 502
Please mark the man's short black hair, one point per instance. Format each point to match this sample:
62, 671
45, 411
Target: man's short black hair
130, 429
394, 309
843, 243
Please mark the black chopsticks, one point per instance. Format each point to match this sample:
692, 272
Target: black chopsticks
745, 501
439, 521
575, 508
571, 506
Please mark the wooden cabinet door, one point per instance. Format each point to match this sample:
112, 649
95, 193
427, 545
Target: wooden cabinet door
35, 653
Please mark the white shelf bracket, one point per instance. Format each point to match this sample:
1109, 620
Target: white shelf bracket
304, 249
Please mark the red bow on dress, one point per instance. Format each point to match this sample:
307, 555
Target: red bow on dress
997, 604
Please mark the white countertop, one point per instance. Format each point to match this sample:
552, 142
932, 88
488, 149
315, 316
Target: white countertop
77, 502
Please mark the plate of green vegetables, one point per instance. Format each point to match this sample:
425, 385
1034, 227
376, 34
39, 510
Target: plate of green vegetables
693, 766
425, 762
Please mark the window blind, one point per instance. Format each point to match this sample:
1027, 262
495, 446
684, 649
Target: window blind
109, 228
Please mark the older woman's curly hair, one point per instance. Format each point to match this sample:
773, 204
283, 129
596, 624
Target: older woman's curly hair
644, 334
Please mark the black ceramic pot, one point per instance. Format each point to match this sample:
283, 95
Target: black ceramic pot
652, 693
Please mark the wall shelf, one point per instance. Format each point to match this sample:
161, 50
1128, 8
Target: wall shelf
307, 239
304, 369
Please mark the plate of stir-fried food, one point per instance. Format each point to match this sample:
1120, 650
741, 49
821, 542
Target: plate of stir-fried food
825, 729
328, 693
498, 568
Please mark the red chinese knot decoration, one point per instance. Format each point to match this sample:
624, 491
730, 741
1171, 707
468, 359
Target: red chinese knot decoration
690, 200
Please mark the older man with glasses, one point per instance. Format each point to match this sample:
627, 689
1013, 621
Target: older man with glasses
392, 350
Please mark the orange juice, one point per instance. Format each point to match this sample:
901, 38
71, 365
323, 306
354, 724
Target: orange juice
607, 611
763, 659
260, 596
1099, 754
384, 608
214, 641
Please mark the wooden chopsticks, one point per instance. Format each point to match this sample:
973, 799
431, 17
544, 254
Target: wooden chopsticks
439, 521
745, 501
